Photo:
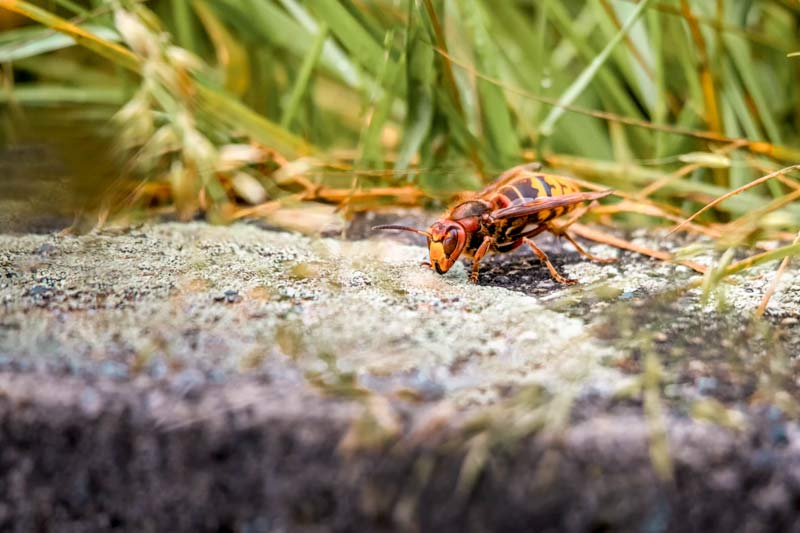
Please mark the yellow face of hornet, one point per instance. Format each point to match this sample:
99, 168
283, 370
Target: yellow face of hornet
446, 240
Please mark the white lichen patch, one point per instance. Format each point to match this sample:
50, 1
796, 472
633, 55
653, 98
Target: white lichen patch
238, 299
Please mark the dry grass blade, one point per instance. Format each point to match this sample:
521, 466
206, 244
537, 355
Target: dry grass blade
653, 210
632, 203
666, 180
409, 196
684, 171
752, 261
773, 286
741, 189
604, 238
753, 217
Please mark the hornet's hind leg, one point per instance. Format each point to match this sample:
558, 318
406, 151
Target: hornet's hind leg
526, 238
562, 232
586, 254
544, 259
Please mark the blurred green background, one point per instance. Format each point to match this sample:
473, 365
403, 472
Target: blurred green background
236, 108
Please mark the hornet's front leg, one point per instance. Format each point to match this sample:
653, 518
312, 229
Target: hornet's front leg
476, 259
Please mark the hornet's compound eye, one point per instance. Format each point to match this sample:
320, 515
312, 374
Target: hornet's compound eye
450, 242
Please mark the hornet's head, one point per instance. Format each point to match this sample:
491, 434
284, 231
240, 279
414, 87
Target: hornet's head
446, 241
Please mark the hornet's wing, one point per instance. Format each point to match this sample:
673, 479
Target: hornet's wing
546, 203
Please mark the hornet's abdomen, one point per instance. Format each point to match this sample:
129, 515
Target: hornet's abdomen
531, 186
524, 189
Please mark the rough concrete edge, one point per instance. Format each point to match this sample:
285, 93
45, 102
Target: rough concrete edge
79, 454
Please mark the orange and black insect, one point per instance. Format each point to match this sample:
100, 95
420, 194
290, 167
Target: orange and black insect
513, 210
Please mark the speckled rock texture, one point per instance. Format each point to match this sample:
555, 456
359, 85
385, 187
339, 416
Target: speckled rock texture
201, 378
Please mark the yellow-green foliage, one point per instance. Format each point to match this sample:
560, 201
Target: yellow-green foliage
682, 99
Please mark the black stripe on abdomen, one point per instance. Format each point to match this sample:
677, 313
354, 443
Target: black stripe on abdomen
510, 193
545, 185
526, 189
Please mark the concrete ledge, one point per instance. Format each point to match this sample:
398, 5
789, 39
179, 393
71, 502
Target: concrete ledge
88, 454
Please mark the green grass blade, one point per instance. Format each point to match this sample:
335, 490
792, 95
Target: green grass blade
332, 54
353, 36
231, 55
370, 142
660, 110
110, 50
74, 7
585, 78
609, 88
756, 260
421, 77
266, 23
185, 31
238, 116
741, 58
41, 95
495, 111
450, 98
30, 42
304, 76
634, 60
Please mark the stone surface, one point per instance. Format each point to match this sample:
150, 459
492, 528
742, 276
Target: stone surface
280, 382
